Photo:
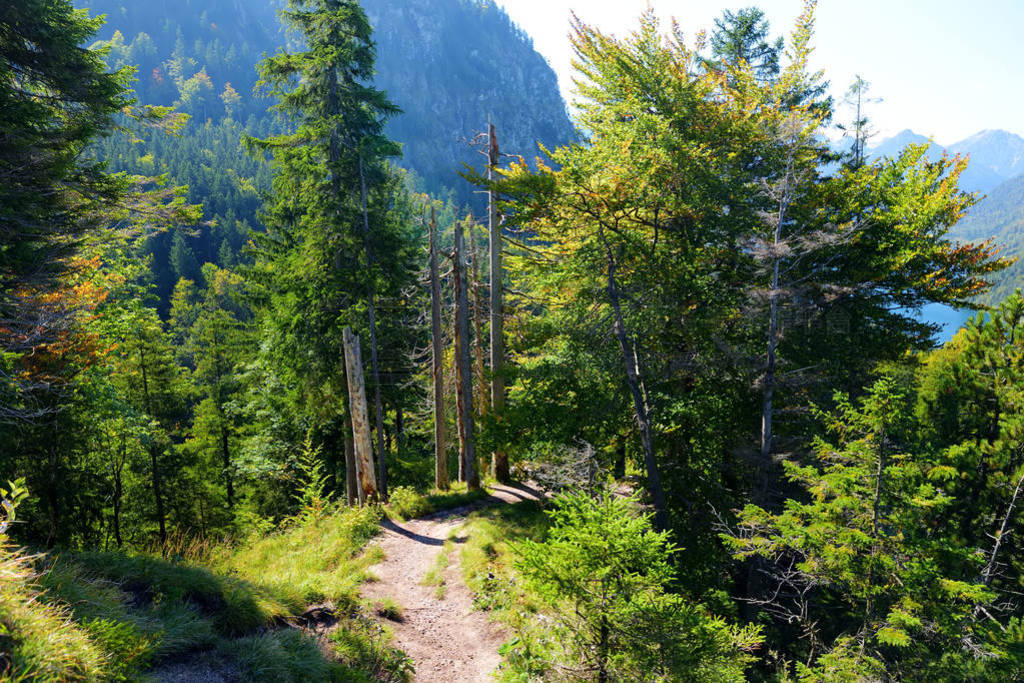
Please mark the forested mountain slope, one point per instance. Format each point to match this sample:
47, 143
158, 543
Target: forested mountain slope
450, 65
1000, 217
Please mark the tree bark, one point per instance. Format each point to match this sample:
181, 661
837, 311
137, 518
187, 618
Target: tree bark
437, 370
1000, 536
226, 455
602, 651
360, 418
351, 471
637, 389
371, 307
117, 470
158, 493
499, 459
483, 394
463, 368
767, 408
399, 427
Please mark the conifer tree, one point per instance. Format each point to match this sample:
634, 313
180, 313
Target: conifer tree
743, 38
329, 246
55, 98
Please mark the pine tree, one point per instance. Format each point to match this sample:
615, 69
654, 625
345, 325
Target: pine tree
743, 38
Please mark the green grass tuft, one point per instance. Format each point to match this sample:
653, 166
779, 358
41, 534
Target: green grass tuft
389, 609
435, 576
317, 562
486, 560
39, 641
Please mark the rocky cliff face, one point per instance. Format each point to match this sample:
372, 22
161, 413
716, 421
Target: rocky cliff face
452, 65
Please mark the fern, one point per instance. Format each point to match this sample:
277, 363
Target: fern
312, 496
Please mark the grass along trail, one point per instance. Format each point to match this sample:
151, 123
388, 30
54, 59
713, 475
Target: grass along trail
419, 590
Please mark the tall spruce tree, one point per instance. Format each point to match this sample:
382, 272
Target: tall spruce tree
329, 243
743, 37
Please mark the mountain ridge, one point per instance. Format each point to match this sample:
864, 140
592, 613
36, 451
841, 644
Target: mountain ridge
995, 155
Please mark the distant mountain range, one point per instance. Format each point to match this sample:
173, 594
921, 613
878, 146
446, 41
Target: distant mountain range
995, 155
995, 170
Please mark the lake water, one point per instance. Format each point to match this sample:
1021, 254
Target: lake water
951, 319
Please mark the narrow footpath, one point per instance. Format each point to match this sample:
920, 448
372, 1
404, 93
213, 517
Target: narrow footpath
447, 640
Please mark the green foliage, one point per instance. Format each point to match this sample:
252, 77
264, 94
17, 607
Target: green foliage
743, 38
312, 494
309, 563
35, 637
10, 498
364, 651
406, 502
486, 561
50, 188
865, 566
389, 609
108, 616
289, 656
153, 400
648, 275
606, 577
339, 239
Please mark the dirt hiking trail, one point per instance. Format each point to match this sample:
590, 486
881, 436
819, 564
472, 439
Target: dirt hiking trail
447, 640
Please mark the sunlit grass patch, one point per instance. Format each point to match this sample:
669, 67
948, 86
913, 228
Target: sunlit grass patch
322, 560
389, 609
114, 616
486, 562
36, 637
407, 503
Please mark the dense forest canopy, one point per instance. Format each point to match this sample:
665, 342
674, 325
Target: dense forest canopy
231, 337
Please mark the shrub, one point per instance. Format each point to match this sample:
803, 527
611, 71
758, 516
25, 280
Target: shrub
405, 503
605, 575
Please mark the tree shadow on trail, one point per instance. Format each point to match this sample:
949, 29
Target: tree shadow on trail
412, 535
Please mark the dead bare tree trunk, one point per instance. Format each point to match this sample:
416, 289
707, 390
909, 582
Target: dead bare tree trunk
637, 388
499, 459
351, 477
478, 325
767, 408
360, 418
437, 371
463, 371
1000, 536
371, 307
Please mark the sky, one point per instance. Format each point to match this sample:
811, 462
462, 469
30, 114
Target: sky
944, 68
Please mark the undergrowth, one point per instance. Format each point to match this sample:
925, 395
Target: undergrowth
435, 575
115, 616
405, 502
